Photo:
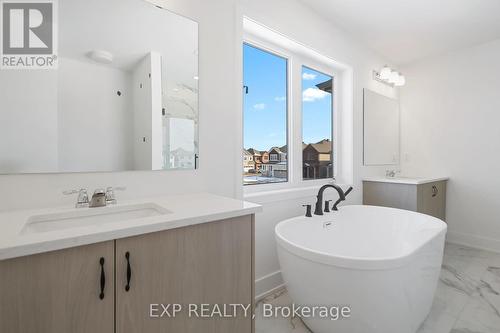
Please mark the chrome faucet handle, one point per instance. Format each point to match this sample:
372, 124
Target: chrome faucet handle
391, 173
69, 192
110, 193
83, 197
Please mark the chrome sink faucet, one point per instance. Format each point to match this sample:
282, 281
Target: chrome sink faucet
391, 173
83, 197
100, 198
110, 194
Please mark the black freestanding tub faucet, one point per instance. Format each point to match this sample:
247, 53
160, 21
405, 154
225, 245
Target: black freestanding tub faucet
319, 203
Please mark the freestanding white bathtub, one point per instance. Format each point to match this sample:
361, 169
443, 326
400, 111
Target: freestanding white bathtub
383, 263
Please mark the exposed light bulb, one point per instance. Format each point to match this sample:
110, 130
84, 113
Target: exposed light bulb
385, 73
401, 80
394, 77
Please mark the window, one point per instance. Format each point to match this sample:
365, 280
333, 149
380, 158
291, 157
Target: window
272, 96
265, 116
317, 124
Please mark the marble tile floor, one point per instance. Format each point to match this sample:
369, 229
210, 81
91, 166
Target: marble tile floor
467, 299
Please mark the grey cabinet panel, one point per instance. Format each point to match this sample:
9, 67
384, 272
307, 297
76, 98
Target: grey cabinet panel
401, 196
58, 292
428, 198
209, 263
432, 199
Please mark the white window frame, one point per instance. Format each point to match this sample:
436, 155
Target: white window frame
294, 117
282, 54
326, 70
264, 37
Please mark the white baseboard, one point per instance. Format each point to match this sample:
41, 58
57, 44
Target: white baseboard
478, 242
268, 284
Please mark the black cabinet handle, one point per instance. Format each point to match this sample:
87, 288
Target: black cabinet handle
103, 278
129, 271
434, 191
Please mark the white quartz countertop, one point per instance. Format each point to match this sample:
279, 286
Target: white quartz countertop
184, 210
405, 180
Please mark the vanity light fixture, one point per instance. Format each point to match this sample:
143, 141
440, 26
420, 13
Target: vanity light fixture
390, 77
385, 73
393, 77
401, 80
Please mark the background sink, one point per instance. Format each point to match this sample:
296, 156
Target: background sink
91, 216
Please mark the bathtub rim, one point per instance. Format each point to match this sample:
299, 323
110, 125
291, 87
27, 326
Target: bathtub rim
360, 263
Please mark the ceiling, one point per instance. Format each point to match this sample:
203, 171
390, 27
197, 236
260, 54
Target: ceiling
406, 31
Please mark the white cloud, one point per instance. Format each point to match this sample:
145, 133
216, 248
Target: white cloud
313, 94
260, 106
308, 76
280, 99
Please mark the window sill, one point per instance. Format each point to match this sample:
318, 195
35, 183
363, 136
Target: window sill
262, 195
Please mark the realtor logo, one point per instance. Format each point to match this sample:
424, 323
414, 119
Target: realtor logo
29, 38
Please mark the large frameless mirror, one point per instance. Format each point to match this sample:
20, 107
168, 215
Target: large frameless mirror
123, 96
381, 129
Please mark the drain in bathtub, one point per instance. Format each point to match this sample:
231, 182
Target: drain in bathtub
327, 225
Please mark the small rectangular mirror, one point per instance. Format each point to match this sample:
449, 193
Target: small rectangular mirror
124, 95
381, 129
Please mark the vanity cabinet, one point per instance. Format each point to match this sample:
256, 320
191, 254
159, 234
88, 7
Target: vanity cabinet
60, 291
205, 264
427, 198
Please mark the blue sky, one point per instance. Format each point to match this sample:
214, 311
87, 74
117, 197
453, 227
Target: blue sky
265, 104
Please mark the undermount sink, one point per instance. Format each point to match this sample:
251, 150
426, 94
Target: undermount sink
91, 216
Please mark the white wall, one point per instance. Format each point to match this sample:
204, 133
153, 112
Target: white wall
148, 120
218, 115
72, 119
450, 126
156, 112
299, 23
29, 122
94, 123
142, 95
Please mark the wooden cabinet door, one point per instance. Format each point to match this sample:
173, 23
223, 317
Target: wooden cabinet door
432, 199
58, 292
402, 196
207, 263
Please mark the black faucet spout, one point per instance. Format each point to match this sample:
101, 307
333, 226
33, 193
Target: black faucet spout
319, 203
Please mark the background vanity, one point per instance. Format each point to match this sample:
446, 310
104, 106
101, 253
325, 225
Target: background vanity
382, 148
423, 195
102, 278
